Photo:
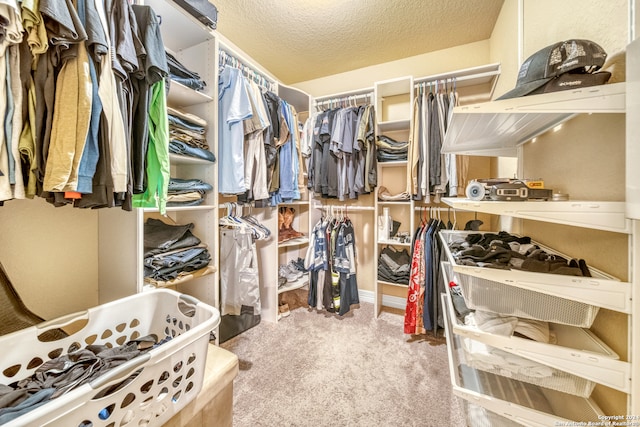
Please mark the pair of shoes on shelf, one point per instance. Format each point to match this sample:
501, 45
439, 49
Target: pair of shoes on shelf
284, 271
299, 264
283, 310
285, 221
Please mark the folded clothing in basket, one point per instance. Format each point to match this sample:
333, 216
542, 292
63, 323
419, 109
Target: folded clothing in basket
498, 324
506, 251
64, 373
482, 356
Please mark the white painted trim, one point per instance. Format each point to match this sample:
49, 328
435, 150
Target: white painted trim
520, 31
387, 300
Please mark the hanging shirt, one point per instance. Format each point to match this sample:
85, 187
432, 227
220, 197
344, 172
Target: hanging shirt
115, 128
158, 168
12, 35
233, 108
289, 157
71, 118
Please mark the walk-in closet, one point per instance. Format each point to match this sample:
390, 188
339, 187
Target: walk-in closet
304, 213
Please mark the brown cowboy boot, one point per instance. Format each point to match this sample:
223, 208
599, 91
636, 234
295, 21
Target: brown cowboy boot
289, 214
283, 233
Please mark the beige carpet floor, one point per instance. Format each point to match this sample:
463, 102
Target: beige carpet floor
318, 369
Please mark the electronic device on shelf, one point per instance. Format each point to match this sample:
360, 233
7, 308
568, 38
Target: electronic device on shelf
507, 189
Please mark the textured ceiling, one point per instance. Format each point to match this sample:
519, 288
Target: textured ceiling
299, 40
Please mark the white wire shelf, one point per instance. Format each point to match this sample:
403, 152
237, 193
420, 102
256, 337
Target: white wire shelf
607, 216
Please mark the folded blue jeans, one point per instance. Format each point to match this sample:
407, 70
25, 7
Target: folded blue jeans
190, 82
170, 273
159, 261
177, 68
180, 122
178, 185
179, 147
189, 203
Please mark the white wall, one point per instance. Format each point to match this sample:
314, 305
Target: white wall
503, 46
50, 255
442, 61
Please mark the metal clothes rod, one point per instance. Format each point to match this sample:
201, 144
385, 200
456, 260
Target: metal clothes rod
344, 207
446, 83
228, 59
342, 99
437, 208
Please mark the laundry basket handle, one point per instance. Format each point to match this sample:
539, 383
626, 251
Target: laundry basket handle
190, 299
121, 372
60, 322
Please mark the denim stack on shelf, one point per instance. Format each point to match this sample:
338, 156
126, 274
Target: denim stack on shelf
187, 135
394, 266
171, 251
187, 192
390, 150
179, 73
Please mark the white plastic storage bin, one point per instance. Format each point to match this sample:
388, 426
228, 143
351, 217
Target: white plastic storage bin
569, 300
149, 389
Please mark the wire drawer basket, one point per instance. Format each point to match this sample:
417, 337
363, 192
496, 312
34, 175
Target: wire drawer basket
488, 295
480, 292
144, 391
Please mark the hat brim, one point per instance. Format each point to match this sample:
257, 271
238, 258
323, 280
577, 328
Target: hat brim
568, 81
525, 88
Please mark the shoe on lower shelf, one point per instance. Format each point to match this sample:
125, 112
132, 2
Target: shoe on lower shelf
283, 310
281, 281
293, 269
283, 271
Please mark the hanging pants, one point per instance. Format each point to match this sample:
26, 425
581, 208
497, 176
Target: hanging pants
240, 289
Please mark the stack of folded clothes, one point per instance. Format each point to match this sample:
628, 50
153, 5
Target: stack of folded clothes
187, 192
187, 135
506, 251
181, 74
394, 266
171, 251
390, 150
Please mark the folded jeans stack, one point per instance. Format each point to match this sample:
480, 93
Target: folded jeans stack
394, 266
187, 135
179, 73
187, 192
390, 150
171, 251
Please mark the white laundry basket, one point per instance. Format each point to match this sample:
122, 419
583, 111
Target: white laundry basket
145, 391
